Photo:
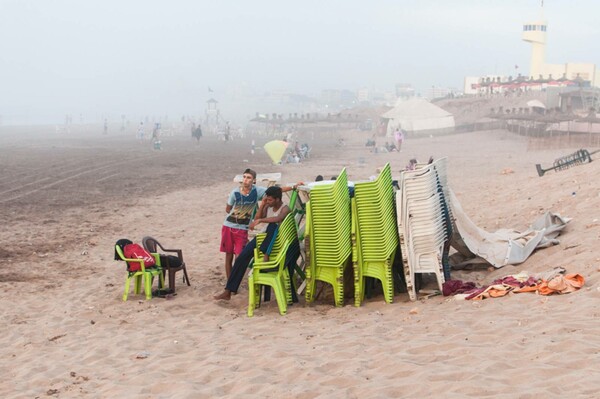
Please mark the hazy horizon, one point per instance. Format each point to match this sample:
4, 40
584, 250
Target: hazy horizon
104, 59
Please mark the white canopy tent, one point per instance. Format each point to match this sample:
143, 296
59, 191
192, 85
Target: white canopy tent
418, 115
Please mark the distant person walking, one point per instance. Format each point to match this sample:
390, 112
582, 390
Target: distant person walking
399, 137
140, 133
155, 131
197, 132
105, 126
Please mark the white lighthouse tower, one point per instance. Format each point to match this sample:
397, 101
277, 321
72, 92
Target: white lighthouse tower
534, 32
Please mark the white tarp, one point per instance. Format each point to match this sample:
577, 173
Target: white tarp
503, 247
416, 115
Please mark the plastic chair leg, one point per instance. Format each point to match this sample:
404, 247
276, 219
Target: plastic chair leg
172, 280
281, 300
126, 293
186, 279
137, 284
251, 297
161, 280
148, 285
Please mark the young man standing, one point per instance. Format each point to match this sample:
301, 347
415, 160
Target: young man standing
240, 205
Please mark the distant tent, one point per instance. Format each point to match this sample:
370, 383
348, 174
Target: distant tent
418, 115
536, 104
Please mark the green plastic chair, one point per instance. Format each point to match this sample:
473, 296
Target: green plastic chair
145, 274
273, 273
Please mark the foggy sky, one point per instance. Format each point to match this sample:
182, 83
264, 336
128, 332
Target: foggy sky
107, 58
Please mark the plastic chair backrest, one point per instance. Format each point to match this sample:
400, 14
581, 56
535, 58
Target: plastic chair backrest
121, 244
150, 244
119, 251
286, 231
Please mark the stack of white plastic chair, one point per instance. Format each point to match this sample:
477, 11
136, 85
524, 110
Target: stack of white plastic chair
423, 226
440, 167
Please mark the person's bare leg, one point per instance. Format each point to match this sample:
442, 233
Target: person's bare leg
226, 295
228, 264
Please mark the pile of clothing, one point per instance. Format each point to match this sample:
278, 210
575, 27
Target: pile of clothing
552, 282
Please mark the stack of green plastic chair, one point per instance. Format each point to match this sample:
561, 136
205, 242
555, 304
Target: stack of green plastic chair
273, 273
328, 228
375, 234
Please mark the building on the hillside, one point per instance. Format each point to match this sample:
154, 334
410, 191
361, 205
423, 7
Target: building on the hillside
383, 98
362, 95
490, 85
438, 92
582, 100
535, 33
404, 91
336, 98
540, 74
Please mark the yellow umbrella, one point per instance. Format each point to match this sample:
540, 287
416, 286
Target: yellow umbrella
276, 149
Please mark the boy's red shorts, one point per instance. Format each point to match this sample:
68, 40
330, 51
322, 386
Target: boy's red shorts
233, 240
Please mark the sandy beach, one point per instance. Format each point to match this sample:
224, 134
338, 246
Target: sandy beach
66, 333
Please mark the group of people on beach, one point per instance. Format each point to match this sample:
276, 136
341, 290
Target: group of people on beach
155, 137
298, 153
240, 218
395, 146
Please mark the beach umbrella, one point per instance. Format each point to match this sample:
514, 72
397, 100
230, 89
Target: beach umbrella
276, 149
